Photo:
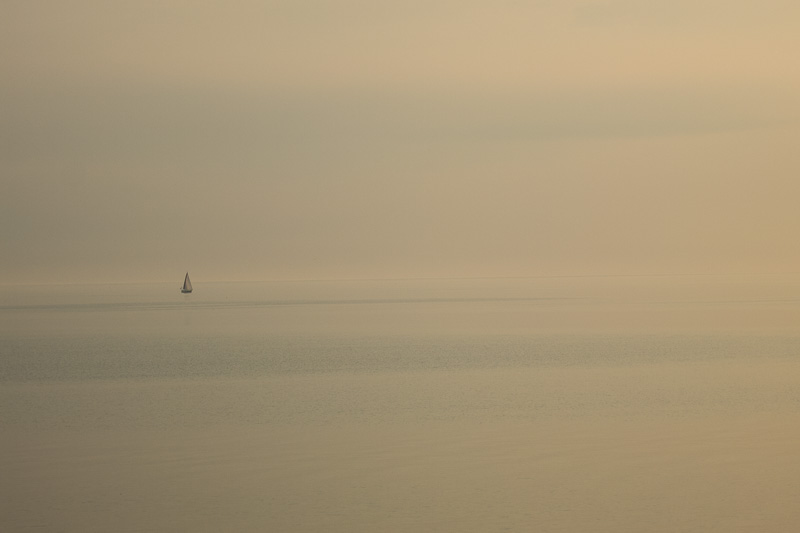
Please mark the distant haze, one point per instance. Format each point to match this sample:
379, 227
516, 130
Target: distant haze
350, 139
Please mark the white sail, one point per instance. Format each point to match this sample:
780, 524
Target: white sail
187, 284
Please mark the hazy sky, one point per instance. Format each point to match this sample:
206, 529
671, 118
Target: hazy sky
365, 138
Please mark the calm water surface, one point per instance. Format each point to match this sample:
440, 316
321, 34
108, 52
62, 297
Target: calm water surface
552, 404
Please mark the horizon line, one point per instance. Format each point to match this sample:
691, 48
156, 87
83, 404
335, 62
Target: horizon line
409, 278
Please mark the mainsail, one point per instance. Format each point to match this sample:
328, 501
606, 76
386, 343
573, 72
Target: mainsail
187, 284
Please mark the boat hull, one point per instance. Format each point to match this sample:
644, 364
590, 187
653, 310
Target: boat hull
184, 291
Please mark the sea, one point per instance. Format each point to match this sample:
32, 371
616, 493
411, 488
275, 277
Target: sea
552, 404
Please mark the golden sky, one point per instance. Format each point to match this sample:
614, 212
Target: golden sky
354, 138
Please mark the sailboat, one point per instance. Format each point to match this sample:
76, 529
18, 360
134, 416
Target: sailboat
187, 285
